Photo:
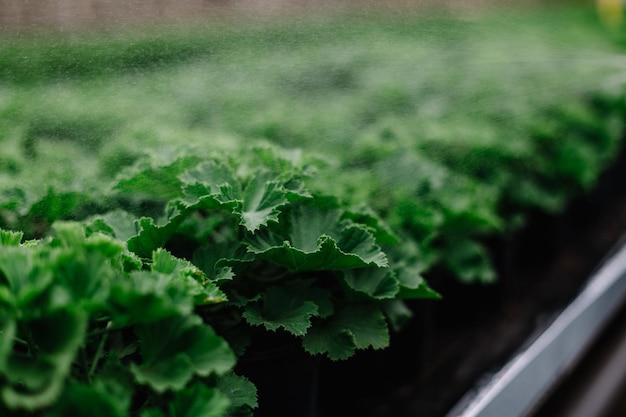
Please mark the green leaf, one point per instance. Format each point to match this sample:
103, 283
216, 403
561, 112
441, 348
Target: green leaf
85, 275
413, 285
69, 234
377, 283
239, 390
173, 373
175, 349
59, 332
198, 285
211, 183
409, 262
332, 341
208, 258
117, 223
279, 308
148, 296
358, 240
316, 239
469, 261
24, 274
262, 200
356, 326
86, 401
199, 401
160, 181
397, 313
36, 382
31, 384
10, 238
56, 205
366, 216
151, 236
327, 255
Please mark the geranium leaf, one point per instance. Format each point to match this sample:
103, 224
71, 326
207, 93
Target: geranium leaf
59, 332
25, 277
413, 285
199, 401
198, 285
151, 236
208, 258
262, 200
173, 373
357, 239
377, 283
35, 382
281, 308
148, 296
117, 223
10, 238
210, 181
85, 401
31, 384
469, 261
56, 205
356, 326
239, 390
314, 238
329, 340
397, 314
159, 180
175, 349
326, 256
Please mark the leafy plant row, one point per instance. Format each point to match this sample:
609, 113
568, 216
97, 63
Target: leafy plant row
137, 267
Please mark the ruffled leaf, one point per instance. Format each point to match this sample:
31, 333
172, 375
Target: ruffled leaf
211, 183
24, 278
118, 223
10, 238
469, 261
199, 401
175, 349
262, 200
36, 381
316, 239
239, 390
148, 296
159, 181
356, 326
198, 285
376, 283
282, 308
151, 236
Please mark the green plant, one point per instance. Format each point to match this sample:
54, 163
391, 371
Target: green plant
88, 328
147, 315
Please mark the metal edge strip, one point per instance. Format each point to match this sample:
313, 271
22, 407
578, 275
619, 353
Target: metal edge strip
519, 386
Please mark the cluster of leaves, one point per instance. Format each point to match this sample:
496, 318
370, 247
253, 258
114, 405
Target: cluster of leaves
285, 259
147, 314
453, 188
90, 329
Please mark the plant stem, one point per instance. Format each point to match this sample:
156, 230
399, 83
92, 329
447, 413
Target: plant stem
98, 354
